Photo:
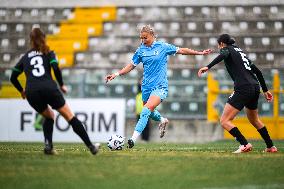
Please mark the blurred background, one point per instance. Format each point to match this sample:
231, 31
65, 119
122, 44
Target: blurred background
94, 38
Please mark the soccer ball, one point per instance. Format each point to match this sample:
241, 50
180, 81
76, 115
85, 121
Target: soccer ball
115, 142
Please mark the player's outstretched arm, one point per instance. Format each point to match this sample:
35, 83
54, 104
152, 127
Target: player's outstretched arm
123, 71
218, 59
187, 51
202, 70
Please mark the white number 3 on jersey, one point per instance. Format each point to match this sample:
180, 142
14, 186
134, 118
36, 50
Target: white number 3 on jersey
37, 63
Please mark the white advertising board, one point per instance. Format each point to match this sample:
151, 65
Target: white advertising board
101, 117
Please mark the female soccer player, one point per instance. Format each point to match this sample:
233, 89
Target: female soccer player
246, 92
42, 91
153, 55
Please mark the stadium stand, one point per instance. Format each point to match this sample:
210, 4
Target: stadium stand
91, 41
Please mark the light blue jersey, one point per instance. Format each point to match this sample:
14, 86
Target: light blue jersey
154, 60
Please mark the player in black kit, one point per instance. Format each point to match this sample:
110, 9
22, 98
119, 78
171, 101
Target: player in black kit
246, 77
42, 91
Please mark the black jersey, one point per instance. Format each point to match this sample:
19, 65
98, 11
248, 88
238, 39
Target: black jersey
238, 66
37, 68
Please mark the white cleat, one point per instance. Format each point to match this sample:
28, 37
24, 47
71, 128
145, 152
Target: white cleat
94, 149
162, 127
243, 149
97, 145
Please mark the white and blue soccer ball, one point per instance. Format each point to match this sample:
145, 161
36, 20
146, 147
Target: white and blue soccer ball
115, 142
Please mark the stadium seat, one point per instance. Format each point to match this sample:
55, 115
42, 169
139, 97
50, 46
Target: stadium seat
265, 108
256, 10
3, 13
6, 57
3, 27
278, 25
189, 11
281, 108
4, 43
269, 56
8, 91
209, 26
265, 41
189, 90
191, 26
281, 40
205, 11
185, 73
18, 12
50, 12
252, 56
243, 25
260, 25
175, 106
19, 27
273, 9
193, 107
34, 12
239, 11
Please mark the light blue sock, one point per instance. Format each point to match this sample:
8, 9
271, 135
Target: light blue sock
142, 122
155, 115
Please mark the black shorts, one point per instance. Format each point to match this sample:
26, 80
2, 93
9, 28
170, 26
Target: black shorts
39, 99
245, 96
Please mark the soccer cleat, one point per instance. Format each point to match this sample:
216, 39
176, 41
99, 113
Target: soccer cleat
48, 150
130, 143
273, 149
162, 127
243, 148
94, 149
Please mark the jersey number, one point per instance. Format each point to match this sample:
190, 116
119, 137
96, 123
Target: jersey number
245, 60
37, 63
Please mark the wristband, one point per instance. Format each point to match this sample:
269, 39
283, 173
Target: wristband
116, 74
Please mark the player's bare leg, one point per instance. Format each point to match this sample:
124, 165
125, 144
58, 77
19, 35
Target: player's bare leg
148, 108
257, 123
78, 128
226, 119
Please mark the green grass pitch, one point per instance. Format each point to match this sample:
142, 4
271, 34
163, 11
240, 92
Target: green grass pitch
153, 165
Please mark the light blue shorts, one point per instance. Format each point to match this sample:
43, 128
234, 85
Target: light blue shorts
160, 92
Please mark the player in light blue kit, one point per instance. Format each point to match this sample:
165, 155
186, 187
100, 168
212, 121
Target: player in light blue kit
154, 57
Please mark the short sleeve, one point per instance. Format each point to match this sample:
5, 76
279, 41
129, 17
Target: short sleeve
170, 49
19, 66
52, 58
225, 52
136, 57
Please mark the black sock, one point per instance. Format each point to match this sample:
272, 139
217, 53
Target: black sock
48, 130
265, 135
238, 135
79, 129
